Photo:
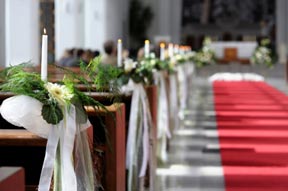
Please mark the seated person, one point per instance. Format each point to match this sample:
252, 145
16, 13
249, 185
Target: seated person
68, 55
110, 55
78, 55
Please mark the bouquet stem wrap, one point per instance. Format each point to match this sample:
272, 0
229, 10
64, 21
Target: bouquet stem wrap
138, 143
163, 131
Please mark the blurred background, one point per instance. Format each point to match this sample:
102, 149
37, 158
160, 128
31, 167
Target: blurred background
87, 24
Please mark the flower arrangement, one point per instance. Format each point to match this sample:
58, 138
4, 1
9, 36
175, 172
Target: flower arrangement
54, 111
108, 75
263, 54
53, 96
205, 55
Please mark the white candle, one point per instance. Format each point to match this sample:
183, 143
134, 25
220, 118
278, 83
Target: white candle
44, 56
170, 50
176, 49
147, 48
162, 51
119, 53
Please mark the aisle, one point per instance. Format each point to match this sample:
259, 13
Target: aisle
252, 119
191, 166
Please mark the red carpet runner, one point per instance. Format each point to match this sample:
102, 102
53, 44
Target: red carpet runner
252, 119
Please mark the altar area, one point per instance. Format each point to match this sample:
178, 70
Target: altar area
233, 51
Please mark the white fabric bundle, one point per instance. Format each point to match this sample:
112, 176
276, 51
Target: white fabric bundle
25, 111
236, 77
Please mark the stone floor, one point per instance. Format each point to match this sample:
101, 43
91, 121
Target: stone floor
194, 162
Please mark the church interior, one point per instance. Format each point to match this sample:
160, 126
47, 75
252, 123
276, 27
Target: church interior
143, 95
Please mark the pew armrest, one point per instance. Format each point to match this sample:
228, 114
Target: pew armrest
20, 137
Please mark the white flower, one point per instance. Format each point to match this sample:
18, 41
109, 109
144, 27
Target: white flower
172, 62
59, 92
129, 65
152, 55
153, 62
178, 57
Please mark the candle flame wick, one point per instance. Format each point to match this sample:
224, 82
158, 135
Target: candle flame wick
44, 30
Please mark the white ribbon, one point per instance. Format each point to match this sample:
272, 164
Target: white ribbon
163, 130
174, 108
61, 136
163, 110
183, 86
139, 108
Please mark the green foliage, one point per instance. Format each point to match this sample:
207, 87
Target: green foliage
52, 113
205, 55
21, 82
263, 54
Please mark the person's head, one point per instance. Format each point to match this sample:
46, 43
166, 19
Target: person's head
109, 47
96, 53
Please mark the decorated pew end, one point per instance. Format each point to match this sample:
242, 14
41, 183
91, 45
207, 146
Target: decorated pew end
19, 147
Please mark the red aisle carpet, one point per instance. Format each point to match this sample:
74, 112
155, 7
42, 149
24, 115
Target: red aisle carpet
252, 119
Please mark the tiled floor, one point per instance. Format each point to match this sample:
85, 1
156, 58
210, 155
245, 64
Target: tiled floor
194, 162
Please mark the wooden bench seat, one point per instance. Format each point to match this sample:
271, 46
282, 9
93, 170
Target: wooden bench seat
18, 147
106, 99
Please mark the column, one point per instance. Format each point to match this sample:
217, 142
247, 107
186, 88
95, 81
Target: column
69, 25
2, 34
176, 21
95, 21
167, 20
21, 31
282, 29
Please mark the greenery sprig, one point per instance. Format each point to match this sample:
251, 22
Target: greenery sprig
18, 80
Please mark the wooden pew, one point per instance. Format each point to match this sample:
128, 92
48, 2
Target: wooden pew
12, 179
29, 149
106, 99
114, 148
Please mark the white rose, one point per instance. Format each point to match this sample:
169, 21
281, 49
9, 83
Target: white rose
129, 65
153, 62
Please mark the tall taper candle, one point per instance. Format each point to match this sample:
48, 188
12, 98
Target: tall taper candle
170, 50
44, 58
176, 49
119, 53
147, 48
162, 51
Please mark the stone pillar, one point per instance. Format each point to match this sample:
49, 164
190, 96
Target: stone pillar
69, 25
2, 34
282, 29
95, 20
167, 19
21, 31
176, 21
87, 23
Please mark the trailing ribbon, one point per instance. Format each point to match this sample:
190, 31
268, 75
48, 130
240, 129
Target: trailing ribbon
63, 138
183, 89
60, 145
139, 126
173, 101
163, 131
